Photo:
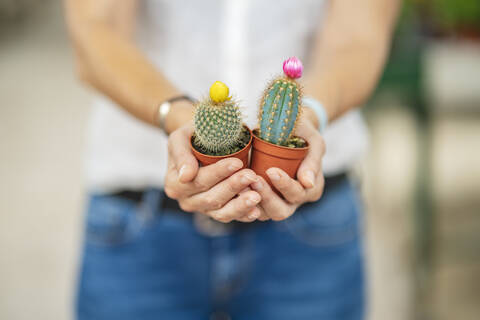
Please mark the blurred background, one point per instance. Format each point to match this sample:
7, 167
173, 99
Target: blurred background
420, 180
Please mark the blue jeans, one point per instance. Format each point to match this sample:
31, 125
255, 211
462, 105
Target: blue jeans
142, 263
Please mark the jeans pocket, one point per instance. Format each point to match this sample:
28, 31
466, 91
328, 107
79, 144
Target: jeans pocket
112, 220
333, 220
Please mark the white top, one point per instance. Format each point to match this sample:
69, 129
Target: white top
194, 43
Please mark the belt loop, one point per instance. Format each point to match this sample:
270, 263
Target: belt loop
150, 203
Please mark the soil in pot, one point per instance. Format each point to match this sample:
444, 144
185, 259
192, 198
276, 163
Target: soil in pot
267, 155
240, 150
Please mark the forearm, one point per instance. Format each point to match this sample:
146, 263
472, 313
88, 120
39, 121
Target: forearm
350, 52
110, 62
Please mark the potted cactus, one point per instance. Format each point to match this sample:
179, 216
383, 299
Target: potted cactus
274, 142
218, 129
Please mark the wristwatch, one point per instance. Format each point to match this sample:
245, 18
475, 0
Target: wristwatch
164, 109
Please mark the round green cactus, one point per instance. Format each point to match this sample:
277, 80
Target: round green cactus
217, 122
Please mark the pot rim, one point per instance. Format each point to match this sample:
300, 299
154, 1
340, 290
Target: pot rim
254, 131
227, 155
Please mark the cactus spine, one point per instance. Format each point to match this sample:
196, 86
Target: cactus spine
280, 105
217, 122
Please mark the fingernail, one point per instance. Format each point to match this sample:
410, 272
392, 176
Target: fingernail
273, 175
182, 170
235, 166
310, 176
257, 186
252, 201
248, 179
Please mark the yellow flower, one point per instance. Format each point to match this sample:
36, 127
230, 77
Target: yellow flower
219, 92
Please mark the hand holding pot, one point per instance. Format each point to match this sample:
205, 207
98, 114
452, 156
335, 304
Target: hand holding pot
308, 187
213, 189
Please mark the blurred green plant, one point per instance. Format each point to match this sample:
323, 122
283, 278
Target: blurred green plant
449, 17
457, 14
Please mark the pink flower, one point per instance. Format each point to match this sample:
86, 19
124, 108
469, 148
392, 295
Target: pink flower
293, 68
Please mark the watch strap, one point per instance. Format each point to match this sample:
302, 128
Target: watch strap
319, 110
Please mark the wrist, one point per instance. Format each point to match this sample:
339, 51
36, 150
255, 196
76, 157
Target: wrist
173, 113
181, 112
326, 90
317, 113
309, 116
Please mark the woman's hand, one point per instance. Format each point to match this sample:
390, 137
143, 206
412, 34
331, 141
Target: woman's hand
211, 190
308, 187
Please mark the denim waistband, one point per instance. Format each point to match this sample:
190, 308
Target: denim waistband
157, 198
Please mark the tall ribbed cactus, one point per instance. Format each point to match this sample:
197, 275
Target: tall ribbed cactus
280, 105
217, 121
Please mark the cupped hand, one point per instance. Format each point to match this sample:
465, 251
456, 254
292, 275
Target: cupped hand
308, 187
220, 190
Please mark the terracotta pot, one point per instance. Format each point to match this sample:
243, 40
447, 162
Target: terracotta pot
266, 155
205, 160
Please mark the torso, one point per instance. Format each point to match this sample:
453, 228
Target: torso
194, 43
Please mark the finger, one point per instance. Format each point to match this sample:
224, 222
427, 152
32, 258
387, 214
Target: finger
181, 155
313, 194
254, 214
206, 178
245, 190
238, 207
211, 175
245, 217
172, 186
312, 164
275, 207
250, 216
263, 215
221, 193
291, 189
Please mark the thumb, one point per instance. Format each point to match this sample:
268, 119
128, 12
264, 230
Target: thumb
188, 168
181, 155
311, 166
